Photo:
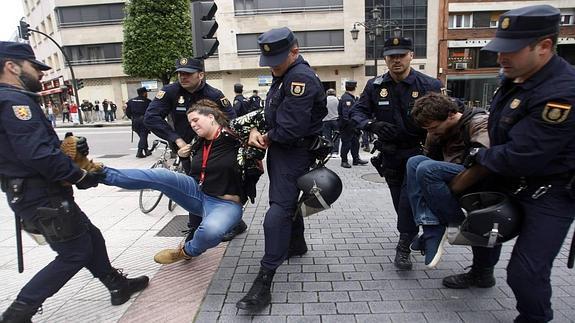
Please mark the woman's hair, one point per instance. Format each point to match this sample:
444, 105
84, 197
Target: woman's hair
206, 107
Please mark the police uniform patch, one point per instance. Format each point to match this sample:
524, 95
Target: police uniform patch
383, 93
236, 102
395, 41
297, 88
266, 48
515, 103
555, 112
505, 23
181, 100
348, 103
225, 102
22, 112
183, 61
414, 94
160, 94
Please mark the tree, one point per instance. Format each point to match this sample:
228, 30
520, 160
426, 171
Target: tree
156, 33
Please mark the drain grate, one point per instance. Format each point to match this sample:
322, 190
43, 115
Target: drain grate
175, 227
373, 177
113, 156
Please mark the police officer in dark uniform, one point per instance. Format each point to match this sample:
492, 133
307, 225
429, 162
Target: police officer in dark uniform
347, 128
241, 104
36, 177
390, 97
174, 100
532, 155
255, 101
135, 110
295, 107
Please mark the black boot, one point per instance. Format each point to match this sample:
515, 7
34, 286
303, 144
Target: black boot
18, 312
402, 252
297, 246
259, 296
147, 152
140, 153
238, 229
478, 277
121, 288
359, 162
345, 164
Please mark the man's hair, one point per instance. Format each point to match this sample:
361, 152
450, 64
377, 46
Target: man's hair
3, 61
350, 87
553, 37
206, 107
433, 107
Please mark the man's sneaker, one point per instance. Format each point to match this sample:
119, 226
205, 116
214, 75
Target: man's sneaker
402, 253
69, 147
433, 238
478, 277
169, 256
240, 228
418, 245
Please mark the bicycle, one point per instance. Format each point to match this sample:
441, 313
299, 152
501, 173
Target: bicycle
150, 198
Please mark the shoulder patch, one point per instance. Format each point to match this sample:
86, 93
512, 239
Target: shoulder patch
236, 102
160, 94
22, 112
225, 102
297, 88
555, 112
348, 103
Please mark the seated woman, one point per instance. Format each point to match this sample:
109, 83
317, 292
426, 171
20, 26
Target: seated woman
215, 187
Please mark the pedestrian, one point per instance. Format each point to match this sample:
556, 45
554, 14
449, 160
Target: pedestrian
241, 104
347, 128
532, 154
329, 122
74, 112
86, 107
113, 109
451, 134
65, 112
135, 110
173, 100
36, 177
389, 97
51, 113
295, 107
107, 112
256, 101
96, 112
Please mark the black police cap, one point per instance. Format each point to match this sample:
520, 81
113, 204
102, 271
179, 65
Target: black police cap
189, 65
238, 88
521, 27
275, 45
10, 49
397, 46
350, 83
142, 90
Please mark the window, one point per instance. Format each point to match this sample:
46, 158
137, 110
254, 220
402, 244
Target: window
90, 15
482, 19
567, 17
257, 7
470, 58
461, 20
94, 54
309, 41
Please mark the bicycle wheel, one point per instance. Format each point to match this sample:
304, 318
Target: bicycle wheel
172, 205
149, 198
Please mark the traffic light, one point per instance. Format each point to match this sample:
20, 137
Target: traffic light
79, 83
24, 30
204, 26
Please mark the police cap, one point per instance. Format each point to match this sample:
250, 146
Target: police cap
142, 90
189, 65
238, 88
10, 49
350, 84
397, 46
521, 27
275, 45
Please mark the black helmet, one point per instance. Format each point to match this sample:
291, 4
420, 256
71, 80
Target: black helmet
491, 219
321, 187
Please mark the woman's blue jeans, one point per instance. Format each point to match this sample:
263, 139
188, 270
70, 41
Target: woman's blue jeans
429, 195
218, 216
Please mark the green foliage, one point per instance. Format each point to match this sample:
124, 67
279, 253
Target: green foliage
156, 33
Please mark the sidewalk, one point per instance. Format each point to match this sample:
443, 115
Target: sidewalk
97, 124
347, 276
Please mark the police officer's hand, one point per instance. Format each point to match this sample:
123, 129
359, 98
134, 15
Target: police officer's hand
471, 158
258, 140
82, 146
185, 151
384, 130
90, 179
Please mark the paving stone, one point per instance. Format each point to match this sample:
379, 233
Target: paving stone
352, 307
333, 297
303, 297
319, 308
287, 309
316, 286
386, 307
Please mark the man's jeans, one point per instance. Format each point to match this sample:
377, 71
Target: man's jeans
328, 130
218, 216
429, 195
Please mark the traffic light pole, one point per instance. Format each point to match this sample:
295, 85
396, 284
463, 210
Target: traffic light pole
74, 83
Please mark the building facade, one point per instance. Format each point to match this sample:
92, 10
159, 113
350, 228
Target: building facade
472, 75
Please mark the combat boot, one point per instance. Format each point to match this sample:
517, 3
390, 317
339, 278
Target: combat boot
121, 288
402, 252
18, 312
69, 146
140, 153
147, 152
259, 295
478, 277
239, 228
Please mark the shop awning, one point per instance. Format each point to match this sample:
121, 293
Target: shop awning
50, 91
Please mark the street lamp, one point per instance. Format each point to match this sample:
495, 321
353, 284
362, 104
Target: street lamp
374, 28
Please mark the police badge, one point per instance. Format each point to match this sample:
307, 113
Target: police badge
22, 112
555, 112
414, 94
383, 93
297, 88
181, 100
160, 94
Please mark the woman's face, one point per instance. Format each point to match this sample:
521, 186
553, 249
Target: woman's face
204, 126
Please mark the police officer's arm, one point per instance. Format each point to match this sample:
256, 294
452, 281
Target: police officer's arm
129, 109
34, 144
237, 107
363, 109
158, 110
293, 116
226, 107
478, 133
536, 139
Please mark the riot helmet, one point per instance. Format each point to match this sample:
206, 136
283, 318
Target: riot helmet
321, 187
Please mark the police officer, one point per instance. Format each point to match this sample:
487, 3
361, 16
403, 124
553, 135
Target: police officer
390, 97
36, 177
532, 133
135, 110
241, 104
174, 100
295, 107
347, 128
256, 101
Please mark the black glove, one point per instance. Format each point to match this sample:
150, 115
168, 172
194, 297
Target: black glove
91, 179
471, 158
82, 146
384, 130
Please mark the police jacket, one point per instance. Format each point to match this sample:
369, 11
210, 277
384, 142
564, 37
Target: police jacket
531, 125
295, 105
174, 100
346, 102
137, 106
392, 102
241, 105
30, 147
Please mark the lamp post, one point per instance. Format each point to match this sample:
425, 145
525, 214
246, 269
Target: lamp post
374, 27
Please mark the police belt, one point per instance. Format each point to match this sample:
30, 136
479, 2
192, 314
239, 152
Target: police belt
304, 142
29, 183
534, 181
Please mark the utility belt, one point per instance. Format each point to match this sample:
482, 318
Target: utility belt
540, 185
